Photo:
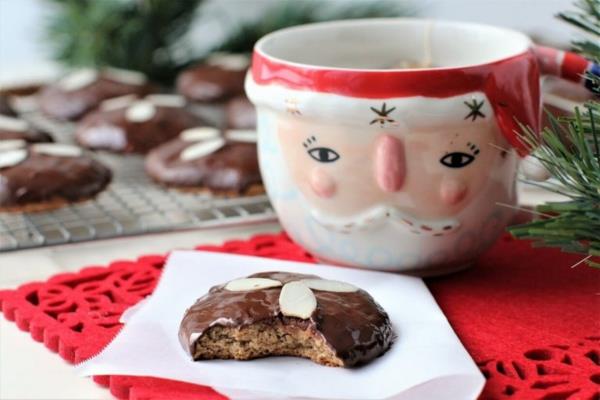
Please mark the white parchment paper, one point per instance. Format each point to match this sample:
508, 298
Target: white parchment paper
426, 361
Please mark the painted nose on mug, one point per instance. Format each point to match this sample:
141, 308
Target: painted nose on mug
390, 163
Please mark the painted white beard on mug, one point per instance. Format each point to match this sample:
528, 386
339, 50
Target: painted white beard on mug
387, 243
375, 217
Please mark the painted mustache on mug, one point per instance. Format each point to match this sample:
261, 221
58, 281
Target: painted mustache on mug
383, 214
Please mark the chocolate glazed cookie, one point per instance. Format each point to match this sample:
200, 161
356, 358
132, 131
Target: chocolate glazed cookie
15, 128
82, 91
129, 125
44, 176
204, 158
218, 79
286, 314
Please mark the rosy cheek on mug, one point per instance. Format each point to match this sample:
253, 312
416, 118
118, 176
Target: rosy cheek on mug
453, 191
322, 183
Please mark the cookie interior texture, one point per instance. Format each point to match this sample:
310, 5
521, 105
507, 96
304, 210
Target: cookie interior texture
344, 329
274, 337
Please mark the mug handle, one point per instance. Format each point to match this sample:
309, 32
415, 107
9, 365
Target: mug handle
566, 65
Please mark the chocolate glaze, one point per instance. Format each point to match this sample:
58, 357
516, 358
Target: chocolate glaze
31, 135
5, 108
72, 105
42, 177
210, 83
355, 327
240, 113
234, 167
110, 130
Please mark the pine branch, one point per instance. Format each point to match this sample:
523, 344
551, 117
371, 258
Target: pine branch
137, 35
145, 35
290, 13
570, 149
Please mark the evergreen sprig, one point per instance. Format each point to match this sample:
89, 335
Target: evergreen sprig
284, 14
569, 148
148, 35
132, 34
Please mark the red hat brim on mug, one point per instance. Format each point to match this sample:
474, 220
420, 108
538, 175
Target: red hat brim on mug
306, 69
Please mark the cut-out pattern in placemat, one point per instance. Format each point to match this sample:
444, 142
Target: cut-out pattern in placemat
556, 371
523, 314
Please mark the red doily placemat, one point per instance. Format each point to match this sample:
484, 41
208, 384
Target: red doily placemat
530, 321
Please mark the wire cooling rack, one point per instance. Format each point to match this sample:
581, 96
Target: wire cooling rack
131, 205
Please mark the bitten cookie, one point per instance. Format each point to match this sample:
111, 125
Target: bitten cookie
240, 113
44, 176
284, 314
218, 79
83, 90
15, 128
129, 125
204, 158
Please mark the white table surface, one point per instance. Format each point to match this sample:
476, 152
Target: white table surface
27, 369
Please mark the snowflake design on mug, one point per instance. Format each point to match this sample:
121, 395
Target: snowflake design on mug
382, 116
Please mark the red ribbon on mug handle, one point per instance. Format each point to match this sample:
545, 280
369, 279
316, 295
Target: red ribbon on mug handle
567, 65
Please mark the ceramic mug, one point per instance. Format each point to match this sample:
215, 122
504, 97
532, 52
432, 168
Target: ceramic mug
392, 143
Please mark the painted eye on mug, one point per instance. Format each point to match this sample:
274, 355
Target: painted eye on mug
457, 159
323, 154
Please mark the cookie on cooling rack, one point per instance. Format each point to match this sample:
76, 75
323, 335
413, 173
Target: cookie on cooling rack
219, 78
83, 90
240, 113
285, 314
204, 158
44, 176
130, 125
14, 128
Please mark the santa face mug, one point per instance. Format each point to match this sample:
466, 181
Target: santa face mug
391, 144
